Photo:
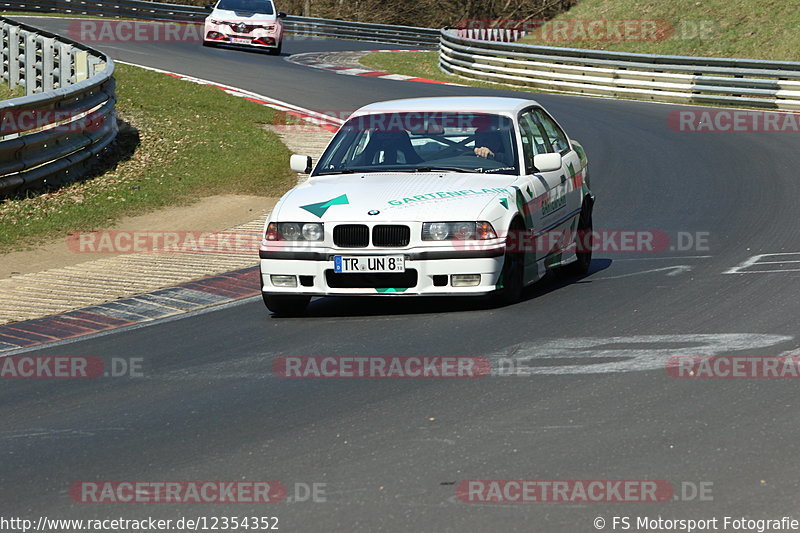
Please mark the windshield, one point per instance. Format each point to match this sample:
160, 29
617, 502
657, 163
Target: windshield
263, 7
418, 142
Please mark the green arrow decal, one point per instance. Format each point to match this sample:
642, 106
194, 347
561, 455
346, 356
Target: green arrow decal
320, 208
385, 291
524, 209
504, 202
581, 154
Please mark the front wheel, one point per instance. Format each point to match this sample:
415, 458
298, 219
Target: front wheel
281, 304
583, 241
512, 278
210, 44
277, 51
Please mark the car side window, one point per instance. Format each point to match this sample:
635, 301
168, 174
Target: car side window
556, 136
534, 138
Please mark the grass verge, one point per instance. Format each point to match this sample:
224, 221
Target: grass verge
717, 28
714, 28
6, 92
179, 142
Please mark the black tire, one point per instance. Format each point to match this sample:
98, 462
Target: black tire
512, 277
210, 44
583, 240
277, 51
286, 304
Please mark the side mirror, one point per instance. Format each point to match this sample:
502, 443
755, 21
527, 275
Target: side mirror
209, 7
547, 162
300, 163
281, 15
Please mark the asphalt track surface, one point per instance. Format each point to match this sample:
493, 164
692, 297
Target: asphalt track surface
389, 451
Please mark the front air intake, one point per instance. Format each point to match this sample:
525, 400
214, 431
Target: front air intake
391, 236
351, 236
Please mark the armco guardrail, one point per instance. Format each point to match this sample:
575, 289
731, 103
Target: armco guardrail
362, 31
700, 80
298, 26
68, 115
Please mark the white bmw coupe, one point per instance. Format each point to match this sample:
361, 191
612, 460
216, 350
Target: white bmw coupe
431, 196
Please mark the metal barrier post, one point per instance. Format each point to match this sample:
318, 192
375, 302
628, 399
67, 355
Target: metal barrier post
81, 61
13, 57
32, 153
48, 60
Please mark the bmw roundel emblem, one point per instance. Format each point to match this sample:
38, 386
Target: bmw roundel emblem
373, 212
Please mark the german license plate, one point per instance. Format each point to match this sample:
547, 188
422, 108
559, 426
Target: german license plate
234, 40
368, 263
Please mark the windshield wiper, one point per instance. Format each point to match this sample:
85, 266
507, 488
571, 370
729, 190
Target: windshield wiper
448, 169
373, 170
399, 169
342, 171
500, 169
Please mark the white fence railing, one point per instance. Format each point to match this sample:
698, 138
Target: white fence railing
696, 80
506, 35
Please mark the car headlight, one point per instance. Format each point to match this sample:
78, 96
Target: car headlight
435, 231
217, 22
294, 231
312, 232
457, 231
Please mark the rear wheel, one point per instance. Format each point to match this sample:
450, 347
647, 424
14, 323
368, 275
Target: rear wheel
583, 241
512, 277
286, 304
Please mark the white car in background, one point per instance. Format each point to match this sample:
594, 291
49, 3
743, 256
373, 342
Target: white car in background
431, 196
250, 23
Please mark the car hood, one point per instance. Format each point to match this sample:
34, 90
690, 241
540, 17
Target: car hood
395, 197
241, 16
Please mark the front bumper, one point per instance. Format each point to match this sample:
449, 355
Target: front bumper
258, 38
426, 270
